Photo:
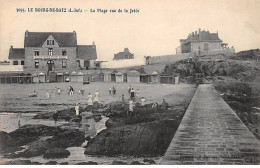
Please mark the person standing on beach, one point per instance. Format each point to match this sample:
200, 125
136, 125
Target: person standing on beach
129, 89
110, 91
77, 109
132, 94
131, 107
48, 95
58, 91
90, 102
96, 98
114, 91
71, 90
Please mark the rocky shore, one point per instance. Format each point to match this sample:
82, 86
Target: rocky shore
147, 132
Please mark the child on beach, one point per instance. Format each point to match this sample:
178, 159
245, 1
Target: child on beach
48, 94
90, 102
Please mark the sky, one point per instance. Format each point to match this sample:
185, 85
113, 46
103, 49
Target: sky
155, 30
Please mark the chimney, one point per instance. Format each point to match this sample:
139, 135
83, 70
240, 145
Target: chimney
195, 32
11, 48
93, 44
192, 33
26, 33
74, 34
199, 35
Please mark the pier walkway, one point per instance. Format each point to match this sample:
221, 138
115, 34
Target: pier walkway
212, 133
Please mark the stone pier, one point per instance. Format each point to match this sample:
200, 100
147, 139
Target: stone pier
212, 133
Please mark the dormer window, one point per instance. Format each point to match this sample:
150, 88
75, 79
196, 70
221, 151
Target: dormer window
50, 42
36, 52
64, 52
50, 51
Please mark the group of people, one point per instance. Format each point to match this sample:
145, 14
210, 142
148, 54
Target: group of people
112, 91
91, 100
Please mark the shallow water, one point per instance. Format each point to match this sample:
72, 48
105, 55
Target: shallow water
9, 122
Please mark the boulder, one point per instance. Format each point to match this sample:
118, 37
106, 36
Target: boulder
115, 162
29, 133
97, 117
143, 139
68, 138
56, 153
88, 138
5, 141
20, 162
35, 163
136, 163
87, 163
51, 163
64, 163
149, 161
76, 118
36, 148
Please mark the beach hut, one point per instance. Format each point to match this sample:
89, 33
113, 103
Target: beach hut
35, 78
73, 76
143, 76
133, 76
107, 76
119, 77
153, 77
41, 77
66, 77
60, 77
167, 78
80, 77
101, 77
177, 79
113, 76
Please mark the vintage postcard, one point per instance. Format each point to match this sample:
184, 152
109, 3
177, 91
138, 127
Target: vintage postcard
129, 82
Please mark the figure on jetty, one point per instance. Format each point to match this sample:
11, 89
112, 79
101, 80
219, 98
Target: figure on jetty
19, 115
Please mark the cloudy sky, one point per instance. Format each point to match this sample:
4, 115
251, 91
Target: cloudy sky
155, 30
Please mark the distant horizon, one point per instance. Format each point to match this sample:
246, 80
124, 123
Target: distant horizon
156, 30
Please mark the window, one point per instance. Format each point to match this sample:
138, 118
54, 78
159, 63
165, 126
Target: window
36, 65
64, 52
22, 62
50, 42
64, 63
15, 63
50, 51
36, 52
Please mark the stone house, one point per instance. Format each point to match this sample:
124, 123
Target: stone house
123, 55
52, 52
203, 42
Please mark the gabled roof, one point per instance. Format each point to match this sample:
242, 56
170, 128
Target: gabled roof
36, 39
86, 52
202, 36
16, 53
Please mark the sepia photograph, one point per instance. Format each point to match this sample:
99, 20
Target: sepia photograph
130, 82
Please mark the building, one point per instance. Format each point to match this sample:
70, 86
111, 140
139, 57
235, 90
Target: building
55, 53
123, 55
203, 42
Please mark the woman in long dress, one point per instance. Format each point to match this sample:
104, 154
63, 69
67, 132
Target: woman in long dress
90, 102
96, 96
